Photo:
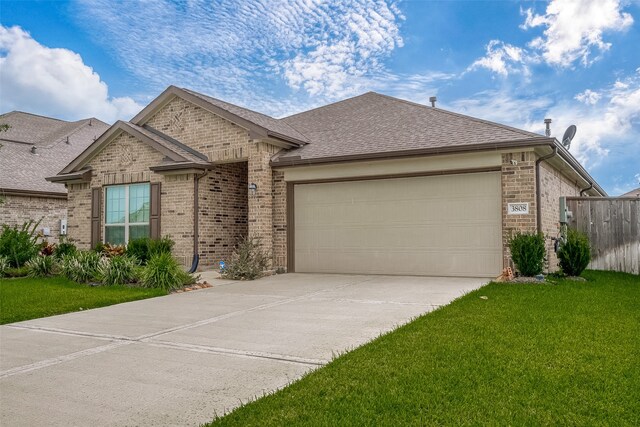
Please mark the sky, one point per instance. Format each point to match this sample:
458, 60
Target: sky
512, 62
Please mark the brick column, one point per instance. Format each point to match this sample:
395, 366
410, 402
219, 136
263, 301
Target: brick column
261, 203
518, 186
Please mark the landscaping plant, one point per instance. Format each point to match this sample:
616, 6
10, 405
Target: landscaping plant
41, 266
574, 254
527, 252
117, 270
163, 271
19, 245
81, 267
139, 248
4, 265
160, 246
248, 261
64, 247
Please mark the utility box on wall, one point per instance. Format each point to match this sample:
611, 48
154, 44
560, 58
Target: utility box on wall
565, 213
63, 227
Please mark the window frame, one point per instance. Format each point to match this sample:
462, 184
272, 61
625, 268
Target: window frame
126, 224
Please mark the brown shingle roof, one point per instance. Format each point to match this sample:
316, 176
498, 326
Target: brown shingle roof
377, 124
22, 170
274, 126
632, 193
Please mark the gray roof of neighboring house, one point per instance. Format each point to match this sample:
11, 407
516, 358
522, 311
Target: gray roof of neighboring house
375, 123
276, 126
22, 170
632, 193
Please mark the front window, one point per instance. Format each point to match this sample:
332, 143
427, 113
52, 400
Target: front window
126, 213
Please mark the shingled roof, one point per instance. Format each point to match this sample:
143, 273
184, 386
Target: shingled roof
55, 142
375, 125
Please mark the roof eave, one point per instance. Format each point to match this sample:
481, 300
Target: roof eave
530, 142
71, 178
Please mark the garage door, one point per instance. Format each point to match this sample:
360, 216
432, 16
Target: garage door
447, 225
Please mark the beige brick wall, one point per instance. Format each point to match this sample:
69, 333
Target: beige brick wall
553, 185
223, 209
126, 160
518, 185
16, 210
279, 208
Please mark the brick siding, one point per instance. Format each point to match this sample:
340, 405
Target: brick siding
16, 210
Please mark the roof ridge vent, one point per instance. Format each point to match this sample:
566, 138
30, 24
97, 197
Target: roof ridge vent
433, 100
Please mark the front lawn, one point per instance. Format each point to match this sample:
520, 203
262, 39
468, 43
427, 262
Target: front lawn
528, 354
27, 298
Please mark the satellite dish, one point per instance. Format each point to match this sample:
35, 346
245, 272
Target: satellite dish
568, 136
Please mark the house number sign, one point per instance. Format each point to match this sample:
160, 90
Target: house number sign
517, 208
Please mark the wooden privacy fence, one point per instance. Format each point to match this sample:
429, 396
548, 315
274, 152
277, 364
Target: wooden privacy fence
613, 227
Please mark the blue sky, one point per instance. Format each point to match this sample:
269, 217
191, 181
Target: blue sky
575, 61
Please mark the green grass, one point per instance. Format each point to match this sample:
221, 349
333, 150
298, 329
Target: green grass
27, 298
529, 355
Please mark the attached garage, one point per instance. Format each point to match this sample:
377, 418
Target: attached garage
443, 225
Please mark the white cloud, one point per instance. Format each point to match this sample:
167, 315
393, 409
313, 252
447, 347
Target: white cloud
611, 125
574, 29
588, 97
503, 58
315, 47
53, 82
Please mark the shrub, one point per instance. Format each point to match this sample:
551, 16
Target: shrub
118, 270
4, 265
139, 248
248, 261
19, 245
575, 253
113, 250
160, 246
64, 247
40, 266
527, 252
162, 271
47, 248
17, 271
81, 267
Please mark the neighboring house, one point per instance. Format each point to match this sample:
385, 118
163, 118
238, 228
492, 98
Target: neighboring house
33, 148
632, 193
371, 184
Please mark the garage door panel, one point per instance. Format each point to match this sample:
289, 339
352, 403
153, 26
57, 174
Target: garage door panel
443, 225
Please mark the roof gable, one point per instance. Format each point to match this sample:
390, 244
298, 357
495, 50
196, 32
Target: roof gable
172, 149
256, 123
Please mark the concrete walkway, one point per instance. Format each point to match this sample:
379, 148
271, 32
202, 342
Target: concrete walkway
181, 359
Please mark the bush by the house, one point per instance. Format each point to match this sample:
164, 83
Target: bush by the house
163, 271
64, 247
81, 267
4, 265
117, 270
139, 248
163, 245
41, 266
109, 250
527, 252
574, 254
144, 247
19, 245
248, 261
47, 248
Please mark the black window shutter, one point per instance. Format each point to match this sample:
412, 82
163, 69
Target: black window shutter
154, 211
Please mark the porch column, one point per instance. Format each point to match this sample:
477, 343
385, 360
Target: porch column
260, 201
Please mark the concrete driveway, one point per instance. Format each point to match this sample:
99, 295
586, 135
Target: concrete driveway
181, 359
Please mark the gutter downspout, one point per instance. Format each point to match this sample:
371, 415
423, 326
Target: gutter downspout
538, 197
586, 189
196, 235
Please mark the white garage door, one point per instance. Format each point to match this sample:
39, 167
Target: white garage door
448, 225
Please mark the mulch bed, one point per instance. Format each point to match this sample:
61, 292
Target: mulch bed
197, 286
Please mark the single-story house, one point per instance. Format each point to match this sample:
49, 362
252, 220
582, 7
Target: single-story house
31, 149
632, 193
370, 184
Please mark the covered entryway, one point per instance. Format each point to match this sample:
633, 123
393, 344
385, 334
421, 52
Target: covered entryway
444, 225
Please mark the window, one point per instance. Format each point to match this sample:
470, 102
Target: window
126, 212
